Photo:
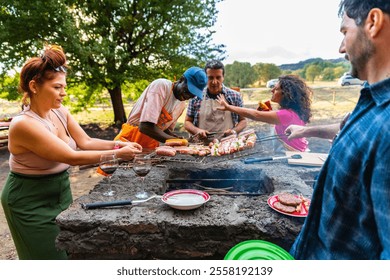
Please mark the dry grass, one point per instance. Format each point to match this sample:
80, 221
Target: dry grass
329, 101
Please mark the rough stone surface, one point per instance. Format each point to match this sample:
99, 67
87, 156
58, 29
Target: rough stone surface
153, 230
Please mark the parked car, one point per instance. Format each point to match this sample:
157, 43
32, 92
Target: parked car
348, 80
271, 83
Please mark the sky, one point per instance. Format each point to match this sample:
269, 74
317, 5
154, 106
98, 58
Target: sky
278, 31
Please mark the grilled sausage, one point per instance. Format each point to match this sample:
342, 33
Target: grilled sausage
165, 151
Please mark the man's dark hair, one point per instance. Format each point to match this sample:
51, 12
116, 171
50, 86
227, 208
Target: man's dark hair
215, 64
359, 9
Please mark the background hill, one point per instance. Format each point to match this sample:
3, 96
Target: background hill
302, 64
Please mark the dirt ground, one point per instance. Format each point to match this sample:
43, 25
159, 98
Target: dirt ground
82, 181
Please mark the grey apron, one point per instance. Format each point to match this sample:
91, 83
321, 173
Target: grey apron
212, 119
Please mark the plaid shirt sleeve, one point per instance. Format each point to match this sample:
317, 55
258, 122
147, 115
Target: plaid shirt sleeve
193, 109
233, 98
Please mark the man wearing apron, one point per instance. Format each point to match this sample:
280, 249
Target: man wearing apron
155, 113
203, 118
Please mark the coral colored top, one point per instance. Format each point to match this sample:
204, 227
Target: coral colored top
32, 164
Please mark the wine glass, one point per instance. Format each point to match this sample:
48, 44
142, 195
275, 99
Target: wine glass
141, 166
108, 164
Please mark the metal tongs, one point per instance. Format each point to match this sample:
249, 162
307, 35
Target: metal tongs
270, 137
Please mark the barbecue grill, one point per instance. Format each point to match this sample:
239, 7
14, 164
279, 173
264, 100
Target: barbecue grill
209, 159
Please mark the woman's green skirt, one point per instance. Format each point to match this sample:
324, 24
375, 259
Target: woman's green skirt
31, 205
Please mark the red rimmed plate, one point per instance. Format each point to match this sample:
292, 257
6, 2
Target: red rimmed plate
303, 213
185, 199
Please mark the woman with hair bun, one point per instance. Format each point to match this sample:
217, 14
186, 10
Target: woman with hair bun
44, 141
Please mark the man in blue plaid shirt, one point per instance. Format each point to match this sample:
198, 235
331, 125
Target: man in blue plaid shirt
203, 117
349, 216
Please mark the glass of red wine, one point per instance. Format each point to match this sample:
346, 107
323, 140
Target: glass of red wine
108, 164
141, 166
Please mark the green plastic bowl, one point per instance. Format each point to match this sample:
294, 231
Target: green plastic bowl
257, 250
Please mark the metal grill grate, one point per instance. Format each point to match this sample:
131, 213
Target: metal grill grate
208, 159
236, 155
181, 158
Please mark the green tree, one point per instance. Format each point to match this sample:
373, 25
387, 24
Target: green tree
328, 74
9, 86
312, 71
298, 72
340, 69
266, 71
239, 74
110, 42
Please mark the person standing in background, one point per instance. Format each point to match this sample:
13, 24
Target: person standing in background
349, 212
294, 98
202, 115
154, 115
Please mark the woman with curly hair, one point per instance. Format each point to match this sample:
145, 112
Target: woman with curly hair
294, 98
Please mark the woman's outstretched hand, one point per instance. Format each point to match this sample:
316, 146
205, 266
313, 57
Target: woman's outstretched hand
135, 146
222, 102
128, 151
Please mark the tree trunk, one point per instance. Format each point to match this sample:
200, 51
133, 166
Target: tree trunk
117, 104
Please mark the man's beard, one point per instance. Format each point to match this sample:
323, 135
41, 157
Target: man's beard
365, 50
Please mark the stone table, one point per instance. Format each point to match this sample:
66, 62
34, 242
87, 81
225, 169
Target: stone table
153, 230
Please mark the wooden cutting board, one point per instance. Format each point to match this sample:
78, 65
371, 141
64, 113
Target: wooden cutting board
308, 159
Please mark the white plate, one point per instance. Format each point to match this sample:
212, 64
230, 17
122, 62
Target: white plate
186, 199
